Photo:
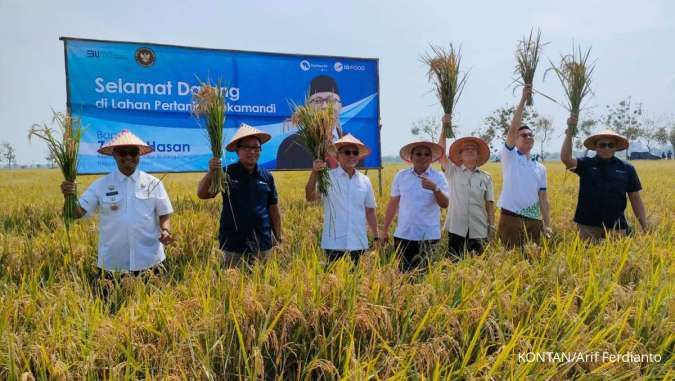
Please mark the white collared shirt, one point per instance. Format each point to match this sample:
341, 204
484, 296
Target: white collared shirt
469, 193
344, 211
129, 208
524, 178
419, 216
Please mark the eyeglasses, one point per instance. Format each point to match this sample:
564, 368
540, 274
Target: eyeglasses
606, 145
317, 100
423, 154
348, 152
133, 152
527, 135
251, 148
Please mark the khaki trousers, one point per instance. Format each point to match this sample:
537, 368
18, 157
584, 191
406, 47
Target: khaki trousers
515, 231
597, 233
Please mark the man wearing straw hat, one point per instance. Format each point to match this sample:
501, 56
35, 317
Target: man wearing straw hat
134, 210
470, 221
250, 220
349, 205
604, 182
524, 201
417, 195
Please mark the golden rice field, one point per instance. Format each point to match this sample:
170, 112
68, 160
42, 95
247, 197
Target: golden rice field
292, 318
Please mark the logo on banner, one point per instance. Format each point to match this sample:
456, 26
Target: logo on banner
145, 57
304, 65
338, 66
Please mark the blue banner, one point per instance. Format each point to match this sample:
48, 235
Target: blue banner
148, 90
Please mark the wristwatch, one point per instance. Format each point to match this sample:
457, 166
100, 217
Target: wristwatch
437, 189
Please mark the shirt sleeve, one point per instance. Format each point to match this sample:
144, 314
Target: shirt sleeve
443, 183
507, 153
490, 193
395, 187
163, 203
581, 165
273, 198
633, 181
370, 197
542, 178
89, 200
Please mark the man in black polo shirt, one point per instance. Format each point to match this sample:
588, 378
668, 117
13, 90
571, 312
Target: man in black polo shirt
604, 182
250, 221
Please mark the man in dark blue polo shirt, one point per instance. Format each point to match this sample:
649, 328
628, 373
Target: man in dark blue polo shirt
604, 182
250, 221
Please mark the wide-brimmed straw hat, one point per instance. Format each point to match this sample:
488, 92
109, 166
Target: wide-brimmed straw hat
621, 141
455, 152
125, 139
244, 132
406, 151
350, 140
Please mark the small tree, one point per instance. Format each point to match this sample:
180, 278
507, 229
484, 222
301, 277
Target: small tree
429, 127
586, 128
625, 119
671, 137
498, 123
9, 154
543, 129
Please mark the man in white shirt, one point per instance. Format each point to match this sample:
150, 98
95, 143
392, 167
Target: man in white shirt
524, 201
349, 204
417, 195
470, 221
134, 210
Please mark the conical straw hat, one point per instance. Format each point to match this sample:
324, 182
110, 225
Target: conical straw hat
621, 141
349, 140
406, 151
246, 131
125, 139
455, 152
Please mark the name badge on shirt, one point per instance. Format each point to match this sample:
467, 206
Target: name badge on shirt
111, 193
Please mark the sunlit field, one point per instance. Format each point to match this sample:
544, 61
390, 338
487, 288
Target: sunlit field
490, 317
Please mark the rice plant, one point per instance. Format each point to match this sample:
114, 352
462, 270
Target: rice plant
528, 54
210, 104
63, 146
315, 128
448, 79
575, 74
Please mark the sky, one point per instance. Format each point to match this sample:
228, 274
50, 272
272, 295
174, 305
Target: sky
632, 42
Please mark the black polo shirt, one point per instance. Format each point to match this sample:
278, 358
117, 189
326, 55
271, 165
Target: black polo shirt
245, 225
603, 186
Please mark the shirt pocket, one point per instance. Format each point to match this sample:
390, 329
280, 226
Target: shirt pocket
111, 205
144, 204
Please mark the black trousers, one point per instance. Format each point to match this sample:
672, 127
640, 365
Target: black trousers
458, 246
413, 254
334, 255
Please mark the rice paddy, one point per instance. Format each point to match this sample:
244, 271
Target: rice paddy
490, 317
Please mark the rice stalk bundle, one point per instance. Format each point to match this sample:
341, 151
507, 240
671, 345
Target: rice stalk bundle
210, 105
448, 80
574, 72
315, 128
63, 145
528, 54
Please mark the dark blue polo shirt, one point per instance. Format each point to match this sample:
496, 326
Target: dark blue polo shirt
603, 185
251, 194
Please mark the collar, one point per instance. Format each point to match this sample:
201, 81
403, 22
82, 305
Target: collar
239, 167
119, 176
342, 172
467, 169
427, 172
